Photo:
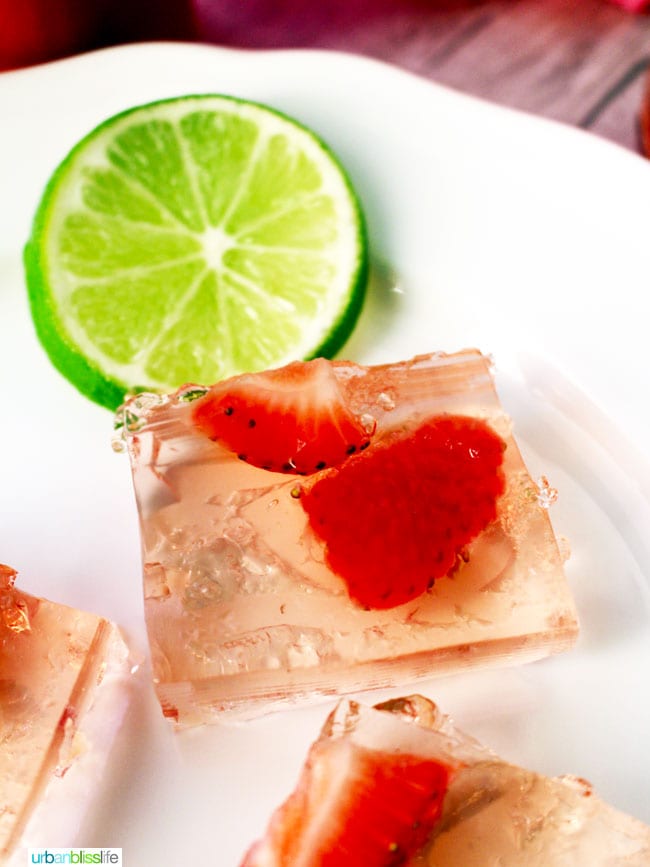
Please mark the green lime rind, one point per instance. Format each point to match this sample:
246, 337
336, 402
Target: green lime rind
88, 375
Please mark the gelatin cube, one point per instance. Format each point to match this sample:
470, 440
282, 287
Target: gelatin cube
493, 812
57, 665
243, 612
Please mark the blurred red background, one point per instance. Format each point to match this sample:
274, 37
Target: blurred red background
33, 31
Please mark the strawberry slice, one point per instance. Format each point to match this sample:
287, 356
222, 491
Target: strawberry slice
290, 420
396, 518
355, 807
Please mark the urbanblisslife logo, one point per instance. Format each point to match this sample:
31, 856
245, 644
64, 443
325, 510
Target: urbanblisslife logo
110, 856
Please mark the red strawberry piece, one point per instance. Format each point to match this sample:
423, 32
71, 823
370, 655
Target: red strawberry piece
395, 518
290, 420
355, 807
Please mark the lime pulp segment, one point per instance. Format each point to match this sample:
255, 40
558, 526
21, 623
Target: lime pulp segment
192, 239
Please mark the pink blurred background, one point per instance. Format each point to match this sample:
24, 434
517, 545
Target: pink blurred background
32, 31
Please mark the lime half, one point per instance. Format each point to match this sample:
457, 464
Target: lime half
192, 239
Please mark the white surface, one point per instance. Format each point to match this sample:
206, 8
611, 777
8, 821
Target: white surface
519, 236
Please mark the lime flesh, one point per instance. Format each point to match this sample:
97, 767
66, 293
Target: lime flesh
193, 239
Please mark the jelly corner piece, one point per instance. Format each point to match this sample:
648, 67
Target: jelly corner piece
64, 689
491, 811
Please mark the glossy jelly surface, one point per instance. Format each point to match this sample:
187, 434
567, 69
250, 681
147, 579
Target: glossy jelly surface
243, 612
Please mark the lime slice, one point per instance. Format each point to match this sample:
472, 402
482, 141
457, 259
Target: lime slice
192, 239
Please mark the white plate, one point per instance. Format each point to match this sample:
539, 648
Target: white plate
516, 235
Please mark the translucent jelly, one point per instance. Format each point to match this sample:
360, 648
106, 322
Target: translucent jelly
62, 697
243, 611
492, 814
